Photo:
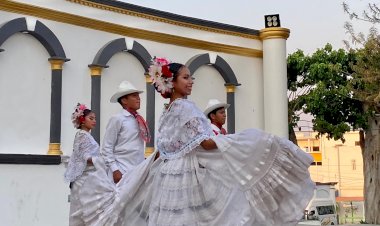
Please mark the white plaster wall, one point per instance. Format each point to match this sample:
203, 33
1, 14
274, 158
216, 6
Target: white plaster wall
249, 102
36, 195
25, 87
141, 23
207, 78
33, 195
82, 44
122, 66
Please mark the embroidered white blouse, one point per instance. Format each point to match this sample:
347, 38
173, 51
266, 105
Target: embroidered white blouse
123, 147
186, 131
84, 148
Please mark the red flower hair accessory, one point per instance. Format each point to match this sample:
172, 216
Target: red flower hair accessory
161, 75
77, 117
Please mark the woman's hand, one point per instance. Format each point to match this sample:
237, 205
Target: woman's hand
208, 144
117, 175
89, 162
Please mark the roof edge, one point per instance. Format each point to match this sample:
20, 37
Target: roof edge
170, 18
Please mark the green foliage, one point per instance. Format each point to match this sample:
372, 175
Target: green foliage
321, 83
366, 78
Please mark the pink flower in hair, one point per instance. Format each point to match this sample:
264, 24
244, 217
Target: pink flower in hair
162, 61
78, 112
82, 107
160, 74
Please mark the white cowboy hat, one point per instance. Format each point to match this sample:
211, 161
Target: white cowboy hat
124, 88
214, 104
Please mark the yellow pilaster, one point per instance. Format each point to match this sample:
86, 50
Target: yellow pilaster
54, 149
274, 32
148, 151
230, 88
148, 79
96, 70
56, 64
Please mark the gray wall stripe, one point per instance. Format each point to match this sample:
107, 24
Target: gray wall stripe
95, 104
231, 113
55, 112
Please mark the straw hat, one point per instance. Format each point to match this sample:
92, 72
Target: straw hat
214, 104
124, 88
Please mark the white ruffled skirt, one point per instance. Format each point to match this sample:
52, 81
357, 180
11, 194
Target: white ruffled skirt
253, 178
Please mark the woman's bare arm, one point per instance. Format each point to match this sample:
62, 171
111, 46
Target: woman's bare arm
208, 144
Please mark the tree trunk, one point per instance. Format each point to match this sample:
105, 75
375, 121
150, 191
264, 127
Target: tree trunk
292, 135
371, 164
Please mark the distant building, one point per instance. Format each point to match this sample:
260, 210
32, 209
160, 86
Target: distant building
339, 163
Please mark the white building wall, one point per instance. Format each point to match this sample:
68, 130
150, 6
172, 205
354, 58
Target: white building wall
35, 194
81, 45
25, 80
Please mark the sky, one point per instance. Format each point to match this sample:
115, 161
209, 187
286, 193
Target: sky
312, 23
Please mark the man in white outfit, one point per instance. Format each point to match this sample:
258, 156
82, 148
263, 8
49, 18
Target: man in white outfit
216, 112
123, 144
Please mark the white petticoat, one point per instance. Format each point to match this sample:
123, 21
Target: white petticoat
254, 178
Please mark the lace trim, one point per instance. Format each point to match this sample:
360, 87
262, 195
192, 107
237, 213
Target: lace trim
187, 148
177, 166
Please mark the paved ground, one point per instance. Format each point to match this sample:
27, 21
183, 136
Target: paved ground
360, 224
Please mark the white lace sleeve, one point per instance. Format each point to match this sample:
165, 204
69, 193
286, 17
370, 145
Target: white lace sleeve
182, 128
84, 148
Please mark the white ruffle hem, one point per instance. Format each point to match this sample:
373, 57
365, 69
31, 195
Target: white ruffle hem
253, 178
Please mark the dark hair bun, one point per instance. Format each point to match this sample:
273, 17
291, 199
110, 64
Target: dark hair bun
175, 67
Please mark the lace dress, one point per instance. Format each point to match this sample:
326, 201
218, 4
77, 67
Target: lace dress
77, 170
253, 178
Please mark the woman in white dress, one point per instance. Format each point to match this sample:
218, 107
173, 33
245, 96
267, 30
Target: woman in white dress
248, 178
80, 163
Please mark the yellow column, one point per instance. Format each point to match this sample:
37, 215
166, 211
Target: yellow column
230, 89
96, 70
148, 150
54, 149
56, 64
148, 79
274, 33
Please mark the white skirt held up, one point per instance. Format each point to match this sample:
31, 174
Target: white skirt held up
253, 178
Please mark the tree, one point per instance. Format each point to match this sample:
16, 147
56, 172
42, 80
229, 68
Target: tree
318, 85
343, 93
366, 88
372, 14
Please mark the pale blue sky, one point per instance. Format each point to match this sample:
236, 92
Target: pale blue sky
313, 23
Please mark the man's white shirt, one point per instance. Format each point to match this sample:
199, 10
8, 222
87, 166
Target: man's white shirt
123, 147
215, 129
